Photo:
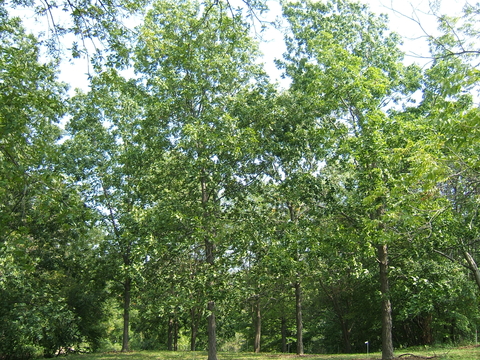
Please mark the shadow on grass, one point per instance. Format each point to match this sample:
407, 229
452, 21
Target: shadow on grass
463, 353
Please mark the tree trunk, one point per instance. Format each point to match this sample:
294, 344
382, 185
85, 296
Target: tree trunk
298, 292
258, 326
170, 335
387, 343
212, 336
347, 346
210, 259
426, 327
298, 312
473, 266
175, 335
284, 334
172, 339
194, 329
126, 313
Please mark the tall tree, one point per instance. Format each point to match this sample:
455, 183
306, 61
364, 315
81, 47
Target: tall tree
44, 236
103, 153
289, 156
194, 61
347, 63
448, 106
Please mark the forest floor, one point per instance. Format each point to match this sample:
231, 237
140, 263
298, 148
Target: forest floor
459, 353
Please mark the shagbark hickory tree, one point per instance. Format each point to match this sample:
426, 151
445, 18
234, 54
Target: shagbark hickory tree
104, 155
343, 57
449, 109
193, 62
201, 182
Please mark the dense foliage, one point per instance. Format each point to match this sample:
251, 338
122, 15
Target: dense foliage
186, 201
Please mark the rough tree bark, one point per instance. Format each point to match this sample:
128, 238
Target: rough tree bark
298, 292
258, 325
172, 340
387, 343
284, 334
472, 266
210, 259
212, 336
347, 346
298, 313
170, 335
126, 313
175, 335
194, 318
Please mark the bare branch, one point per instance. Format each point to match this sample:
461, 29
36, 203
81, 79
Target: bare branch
451, 259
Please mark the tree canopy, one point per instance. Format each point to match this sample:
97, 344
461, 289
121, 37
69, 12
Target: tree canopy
185, 200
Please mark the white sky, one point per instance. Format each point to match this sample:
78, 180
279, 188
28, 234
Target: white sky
397, 10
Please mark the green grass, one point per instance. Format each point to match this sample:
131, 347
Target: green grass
463, 353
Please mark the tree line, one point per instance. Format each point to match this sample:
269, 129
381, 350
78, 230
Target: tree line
187, 200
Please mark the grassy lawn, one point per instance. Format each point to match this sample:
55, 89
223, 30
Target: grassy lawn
463, 353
